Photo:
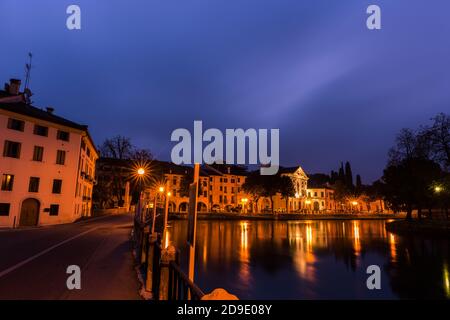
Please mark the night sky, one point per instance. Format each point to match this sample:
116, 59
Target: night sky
142, 68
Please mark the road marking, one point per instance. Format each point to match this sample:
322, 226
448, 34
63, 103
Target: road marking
24, 262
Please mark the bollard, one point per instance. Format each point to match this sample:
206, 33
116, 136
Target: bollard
219, 294
167, 256
144, 244
152, 240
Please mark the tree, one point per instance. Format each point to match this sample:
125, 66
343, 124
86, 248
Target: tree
407, 184
141, 156
348, 175
118, 147
286, 189
439, 137
358, 182
253, 185
121, 148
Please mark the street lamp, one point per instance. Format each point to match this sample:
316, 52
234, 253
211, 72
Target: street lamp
437, 189
141, 171
161, 190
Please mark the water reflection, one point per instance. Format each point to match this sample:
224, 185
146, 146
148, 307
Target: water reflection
314, 259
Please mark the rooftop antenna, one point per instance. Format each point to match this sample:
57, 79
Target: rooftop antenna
28, 70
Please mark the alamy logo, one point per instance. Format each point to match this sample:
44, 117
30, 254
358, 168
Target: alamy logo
74, 280
73, 22
374, 280
235, 147
374, 20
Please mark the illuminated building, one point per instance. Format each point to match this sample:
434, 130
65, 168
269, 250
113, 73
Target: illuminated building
47, 165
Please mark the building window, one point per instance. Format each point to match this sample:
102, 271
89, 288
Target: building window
54, 209
315, 194
11, 149
7, 182
57, 184
4, 209
38, 153
34, 184
15, 124
232, 180
321, 194
40, 130
60, 157
62, 135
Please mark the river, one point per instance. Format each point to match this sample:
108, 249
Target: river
318, 259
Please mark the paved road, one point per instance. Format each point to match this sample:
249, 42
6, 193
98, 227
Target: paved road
33, 262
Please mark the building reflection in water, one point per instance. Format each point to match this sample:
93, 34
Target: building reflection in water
296, 257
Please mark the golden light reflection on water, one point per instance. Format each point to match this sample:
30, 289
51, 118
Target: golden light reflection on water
356, 238
244, 270
446, 279
392, 247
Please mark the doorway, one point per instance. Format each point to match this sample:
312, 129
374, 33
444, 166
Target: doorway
29, 213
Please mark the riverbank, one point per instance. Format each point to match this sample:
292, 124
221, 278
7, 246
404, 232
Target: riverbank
290, 216
420, 227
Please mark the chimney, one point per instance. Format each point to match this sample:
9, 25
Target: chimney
50, 110
14, 87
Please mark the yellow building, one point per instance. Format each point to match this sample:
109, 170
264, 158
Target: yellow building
221, 190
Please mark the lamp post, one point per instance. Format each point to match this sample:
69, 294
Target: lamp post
166, 216
160, 191
140, 175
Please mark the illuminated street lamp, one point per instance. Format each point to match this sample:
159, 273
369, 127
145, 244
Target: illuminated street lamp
437, 189
160, 190
141, 171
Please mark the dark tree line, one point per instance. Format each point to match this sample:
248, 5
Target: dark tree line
112, 186
417, 175
267, 186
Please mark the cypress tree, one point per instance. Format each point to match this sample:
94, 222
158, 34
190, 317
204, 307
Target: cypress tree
348, 175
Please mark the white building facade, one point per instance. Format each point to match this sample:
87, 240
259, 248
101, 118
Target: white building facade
47, 165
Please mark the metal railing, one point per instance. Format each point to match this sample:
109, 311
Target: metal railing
161, 266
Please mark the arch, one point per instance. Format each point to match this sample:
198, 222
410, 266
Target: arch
316, 206
201, 207
183, 207
172, 206
29, 212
